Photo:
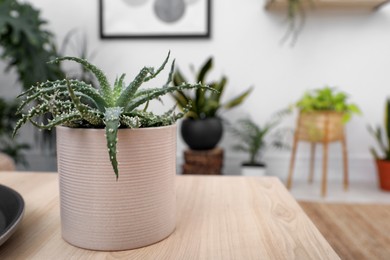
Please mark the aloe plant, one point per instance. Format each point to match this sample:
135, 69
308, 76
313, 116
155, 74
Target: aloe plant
382, 138
204, 104
74, 103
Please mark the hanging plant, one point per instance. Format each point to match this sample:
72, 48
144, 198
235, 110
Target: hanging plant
295, 18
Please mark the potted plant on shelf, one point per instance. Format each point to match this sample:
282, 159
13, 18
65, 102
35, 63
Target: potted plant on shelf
202, 129
252, 140
383, 161
98, 210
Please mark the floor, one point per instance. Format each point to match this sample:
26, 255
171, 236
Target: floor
359, 192
355, 231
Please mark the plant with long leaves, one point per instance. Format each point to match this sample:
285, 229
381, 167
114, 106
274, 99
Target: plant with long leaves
253, 137
204, 104
74, 103
382, 137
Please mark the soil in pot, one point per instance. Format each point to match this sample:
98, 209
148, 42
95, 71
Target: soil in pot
202, 134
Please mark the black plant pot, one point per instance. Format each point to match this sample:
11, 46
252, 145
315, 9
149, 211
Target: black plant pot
202, 134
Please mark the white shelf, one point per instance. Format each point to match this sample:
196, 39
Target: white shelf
329, 4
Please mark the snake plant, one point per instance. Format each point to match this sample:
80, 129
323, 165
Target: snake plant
383, 139
205, 104
76, 104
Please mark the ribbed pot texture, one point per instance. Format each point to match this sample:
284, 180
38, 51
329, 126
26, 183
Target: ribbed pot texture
100, 213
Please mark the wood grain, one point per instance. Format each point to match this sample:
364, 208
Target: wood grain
219, 217
354, 231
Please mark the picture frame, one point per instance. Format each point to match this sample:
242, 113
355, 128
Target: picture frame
154, 19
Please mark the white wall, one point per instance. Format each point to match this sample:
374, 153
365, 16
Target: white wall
346, 49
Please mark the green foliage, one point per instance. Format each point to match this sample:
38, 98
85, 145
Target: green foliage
204, 104
382, 138
327, 99
7, 123
74, 103
251, 137
26, 46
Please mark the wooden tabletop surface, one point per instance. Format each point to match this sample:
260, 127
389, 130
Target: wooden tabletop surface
218, 217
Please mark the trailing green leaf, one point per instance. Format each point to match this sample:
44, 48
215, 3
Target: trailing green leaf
237, 100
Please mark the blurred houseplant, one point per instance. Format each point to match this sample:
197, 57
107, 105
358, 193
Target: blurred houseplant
383, 158
7, 122
321, 106
253, 140
202, 129
76, 44
90, 122
26, 47
295, 17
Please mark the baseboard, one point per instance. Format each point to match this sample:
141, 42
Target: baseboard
361, 168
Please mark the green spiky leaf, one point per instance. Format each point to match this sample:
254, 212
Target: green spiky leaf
102, 79
112, 120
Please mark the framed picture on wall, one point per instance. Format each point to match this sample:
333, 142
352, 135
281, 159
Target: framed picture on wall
144, 19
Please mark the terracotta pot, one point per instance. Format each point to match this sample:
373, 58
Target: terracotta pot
383, 167
312, 126
100, 213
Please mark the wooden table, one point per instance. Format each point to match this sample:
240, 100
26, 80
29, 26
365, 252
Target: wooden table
219, 217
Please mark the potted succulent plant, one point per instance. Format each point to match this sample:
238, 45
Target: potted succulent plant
202, 129
321, 106
252, 140
98, 210
383, 161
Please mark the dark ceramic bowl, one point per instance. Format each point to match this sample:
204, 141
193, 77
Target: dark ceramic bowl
11, 212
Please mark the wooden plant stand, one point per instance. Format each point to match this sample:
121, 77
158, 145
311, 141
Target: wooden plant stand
320, 128
208, 162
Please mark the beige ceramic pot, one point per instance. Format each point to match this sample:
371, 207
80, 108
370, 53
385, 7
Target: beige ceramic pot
100, 213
